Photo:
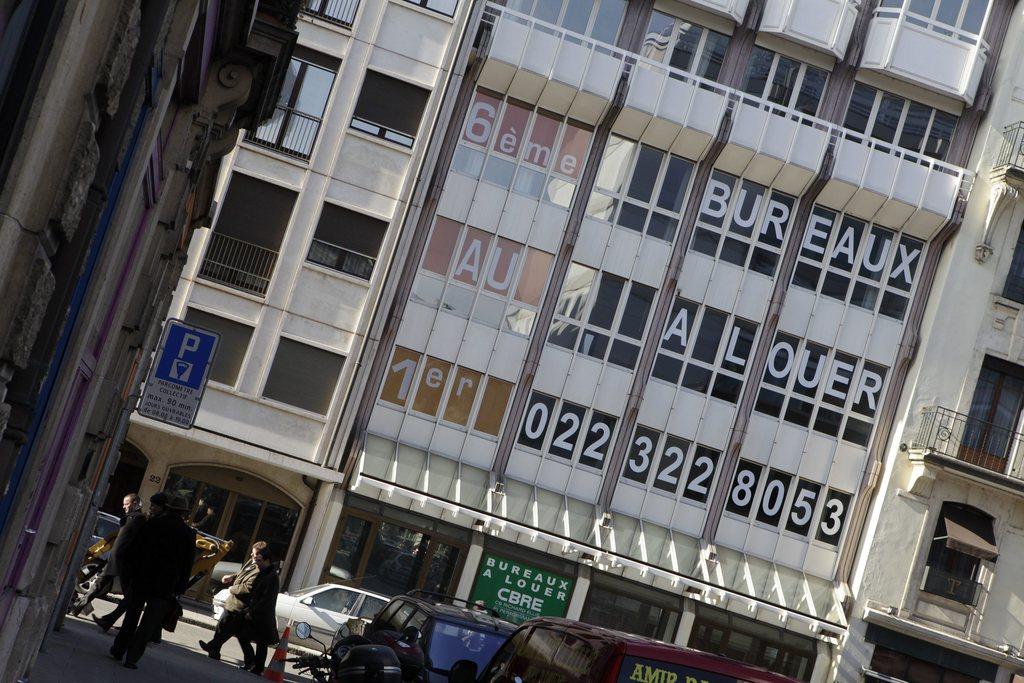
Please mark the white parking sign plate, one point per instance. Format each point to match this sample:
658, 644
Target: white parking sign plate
178, 376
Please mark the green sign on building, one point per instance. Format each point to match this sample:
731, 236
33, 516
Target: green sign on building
518, 591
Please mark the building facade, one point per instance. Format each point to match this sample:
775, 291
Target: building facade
937, 583
115, 116
302, 240
598, 309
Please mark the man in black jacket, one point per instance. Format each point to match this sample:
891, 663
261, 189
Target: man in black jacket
115, 567
159, 560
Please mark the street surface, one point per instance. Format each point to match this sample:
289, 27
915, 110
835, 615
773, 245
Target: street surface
78, 654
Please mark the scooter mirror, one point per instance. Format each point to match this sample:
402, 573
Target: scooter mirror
303, 630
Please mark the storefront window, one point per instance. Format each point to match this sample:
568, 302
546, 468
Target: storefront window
351, 542
904, 667
624, 606
243, 516
752, 642
391, 558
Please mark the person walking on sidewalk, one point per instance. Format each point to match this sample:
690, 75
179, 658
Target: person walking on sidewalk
249, 589
261, 614
115, 567
159, 560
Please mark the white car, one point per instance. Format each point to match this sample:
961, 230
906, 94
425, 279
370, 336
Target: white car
325, 608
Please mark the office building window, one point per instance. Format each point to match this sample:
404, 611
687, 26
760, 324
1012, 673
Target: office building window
234, 342
753, 642
347, 241
990, 433
599, 19
295, 123
640, 188
303, 376
785, 81
685, 45
445, 7
602, 317
389, 108
896, 120
626, 606
1014, 286
959, 19
963, 538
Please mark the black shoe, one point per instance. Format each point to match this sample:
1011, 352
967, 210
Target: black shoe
211, 653
103, 624
131, 665
114, 654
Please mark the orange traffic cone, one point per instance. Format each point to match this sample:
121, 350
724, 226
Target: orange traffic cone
275, 671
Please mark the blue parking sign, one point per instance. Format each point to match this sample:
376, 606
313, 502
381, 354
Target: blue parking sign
186, 355
177, 379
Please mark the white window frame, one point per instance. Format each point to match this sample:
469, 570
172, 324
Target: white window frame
846, 410
482, 155
657, 452
521, 7
620, 196
892, 8
551, 430
612, 333
802, 74
881, 285
447, 283
698, 53
876, 104
752, 240
714, 368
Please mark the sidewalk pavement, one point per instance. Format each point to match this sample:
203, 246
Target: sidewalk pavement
78, 654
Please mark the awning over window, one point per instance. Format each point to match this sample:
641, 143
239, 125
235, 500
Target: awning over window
969, 531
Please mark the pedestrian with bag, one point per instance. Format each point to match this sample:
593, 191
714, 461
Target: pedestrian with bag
159, 561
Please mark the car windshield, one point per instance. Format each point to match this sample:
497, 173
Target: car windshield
304, 591
450, 642
105, 527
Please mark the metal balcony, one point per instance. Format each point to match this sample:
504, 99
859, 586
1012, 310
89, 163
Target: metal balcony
238, 264
1010, 163
983, 444
339, 12
951, 586
288, 131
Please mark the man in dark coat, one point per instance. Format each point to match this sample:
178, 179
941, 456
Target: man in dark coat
159, 560
261, 613
249, 611
130, 525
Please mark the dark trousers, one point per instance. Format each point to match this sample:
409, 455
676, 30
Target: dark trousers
119, 609
234, 625
143, 619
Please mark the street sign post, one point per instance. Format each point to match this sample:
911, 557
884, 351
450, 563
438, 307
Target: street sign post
177, 378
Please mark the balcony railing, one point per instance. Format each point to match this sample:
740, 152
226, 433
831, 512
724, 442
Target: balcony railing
340, 12
1011, 152
239, 264
951, 586
969, 439
288, 131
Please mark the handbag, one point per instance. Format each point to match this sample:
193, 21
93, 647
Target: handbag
172, 616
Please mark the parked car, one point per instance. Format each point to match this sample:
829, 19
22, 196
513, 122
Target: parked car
106, 525
325, 607
563, 651
448, 631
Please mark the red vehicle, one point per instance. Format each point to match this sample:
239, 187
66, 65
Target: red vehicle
561, 651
